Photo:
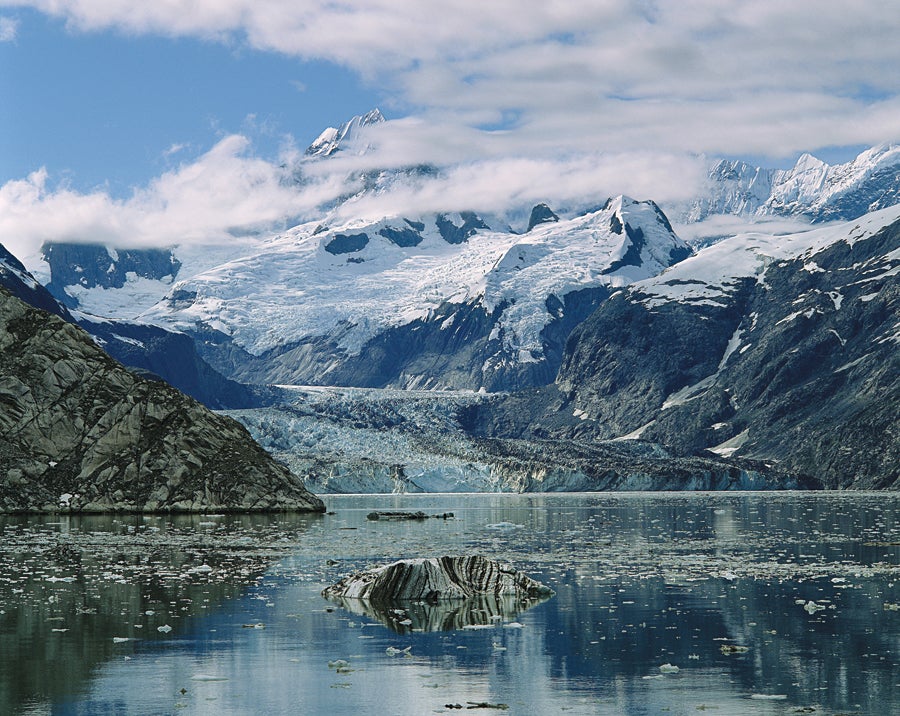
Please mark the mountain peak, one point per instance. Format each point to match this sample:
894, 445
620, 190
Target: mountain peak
347, 136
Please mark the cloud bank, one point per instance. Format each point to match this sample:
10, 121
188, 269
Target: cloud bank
519, 101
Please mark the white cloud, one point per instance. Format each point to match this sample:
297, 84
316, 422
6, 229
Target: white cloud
587, 98
710, 76
223, 192
9, 28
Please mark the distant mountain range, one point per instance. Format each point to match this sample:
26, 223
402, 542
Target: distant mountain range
597, 323
811, 189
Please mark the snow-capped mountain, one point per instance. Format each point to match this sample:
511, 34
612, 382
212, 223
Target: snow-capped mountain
811, 188
348, 137
435, 301
148, 350
781, 349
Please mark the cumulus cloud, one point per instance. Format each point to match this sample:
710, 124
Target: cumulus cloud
515, 102
223, 193
768, 77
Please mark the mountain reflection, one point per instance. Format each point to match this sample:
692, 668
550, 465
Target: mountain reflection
78, 592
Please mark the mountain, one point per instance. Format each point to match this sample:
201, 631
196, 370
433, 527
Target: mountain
435, 301
78, 432
778, 349
153, 351
347, 137
811, 189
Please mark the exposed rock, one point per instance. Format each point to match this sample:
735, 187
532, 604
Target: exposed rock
785, 356
94, 265
78, 432
417, 516
438, 578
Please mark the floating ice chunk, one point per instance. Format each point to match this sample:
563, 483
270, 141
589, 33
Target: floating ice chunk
393, 651
769, 697
504, 526
165, 628
120, 639
208, 677
811, 607
512, 625
668, 669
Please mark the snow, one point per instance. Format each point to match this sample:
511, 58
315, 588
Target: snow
715, 272
731, 446
290, 288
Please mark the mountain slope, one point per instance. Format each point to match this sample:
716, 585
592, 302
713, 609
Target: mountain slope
440, 300
78, 432
774, 348
151, 350
811, 188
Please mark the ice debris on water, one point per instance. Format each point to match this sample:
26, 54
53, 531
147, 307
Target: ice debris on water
811, 607
504, 526
668, 669
769, 697
165, 628
393, 651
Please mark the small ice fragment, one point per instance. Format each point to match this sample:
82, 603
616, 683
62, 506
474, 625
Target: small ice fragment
730, 576
668, 669
207, 677
473, 627
393, 651
503, 526
120, 639
811, 607
769, 697
165, 628
513, 625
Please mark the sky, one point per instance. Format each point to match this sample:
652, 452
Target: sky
163, 122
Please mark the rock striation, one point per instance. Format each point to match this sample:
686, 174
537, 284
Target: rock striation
438, 578
80, 433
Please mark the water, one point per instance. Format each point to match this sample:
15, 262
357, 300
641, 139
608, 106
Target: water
677, 604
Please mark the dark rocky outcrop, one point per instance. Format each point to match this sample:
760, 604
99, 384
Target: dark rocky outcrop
154, 352
797, 367
78, 432
438, 579
541, 214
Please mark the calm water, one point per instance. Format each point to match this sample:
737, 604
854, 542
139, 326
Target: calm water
751, 604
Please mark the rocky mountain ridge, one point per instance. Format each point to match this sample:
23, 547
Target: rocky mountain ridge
78, 432
811, 189
778, 349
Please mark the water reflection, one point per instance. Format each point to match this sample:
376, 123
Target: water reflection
649, 589
447, 615
80, 591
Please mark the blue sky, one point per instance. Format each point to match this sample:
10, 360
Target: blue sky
162, 122
105, 108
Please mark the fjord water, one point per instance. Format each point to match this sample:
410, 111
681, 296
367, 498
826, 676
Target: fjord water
753, 603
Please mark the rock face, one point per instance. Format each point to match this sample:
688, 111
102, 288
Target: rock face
94, 265
144, 348
78, 432
436, 579
779, 349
